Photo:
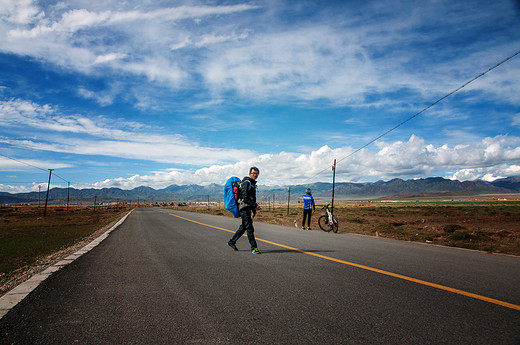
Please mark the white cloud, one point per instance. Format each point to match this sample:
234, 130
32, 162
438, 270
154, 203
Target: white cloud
109, 57
82, 39
101, 137
425, 158
310, 63
162, 149
101, 98
214, 39
399, 159
7, 164
20, 113
343, 63
488, 174
321, 62
33, 187
487, 159
20, 11
157, 69
77, 19
14, 112
183, 43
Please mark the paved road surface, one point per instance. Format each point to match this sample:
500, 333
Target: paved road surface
161, 279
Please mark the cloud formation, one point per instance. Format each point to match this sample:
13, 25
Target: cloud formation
76, 38
98, 136
345, 63
491, 159
201, 90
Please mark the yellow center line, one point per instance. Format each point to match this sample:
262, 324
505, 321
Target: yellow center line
368, 268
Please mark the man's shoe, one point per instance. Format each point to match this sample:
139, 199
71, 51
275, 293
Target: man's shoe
308, 228
303, 228
255, 251
232, 246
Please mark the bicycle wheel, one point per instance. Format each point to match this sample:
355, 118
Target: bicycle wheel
323, 222
335, 224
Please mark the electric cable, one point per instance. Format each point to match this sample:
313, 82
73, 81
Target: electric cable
34, 166
420, 112
58, 176
19, 161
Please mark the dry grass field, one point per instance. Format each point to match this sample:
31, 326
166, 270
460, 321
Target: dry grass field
492, 226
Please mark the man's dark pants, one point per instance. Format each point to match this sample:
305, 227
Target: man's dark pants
247, 225
307, 213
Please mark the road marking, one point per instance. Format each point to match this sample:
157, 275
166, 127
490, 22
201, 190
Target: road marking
372, 269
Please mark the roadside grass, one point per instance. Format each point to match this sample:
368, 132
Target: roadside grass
26, 237
480, 225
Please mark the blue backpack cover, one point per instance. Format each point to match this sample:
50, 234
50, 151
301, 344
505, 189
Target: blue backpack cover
231, 197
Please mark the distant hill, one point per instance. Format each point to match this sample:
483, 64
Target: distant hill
321, 190
512, 183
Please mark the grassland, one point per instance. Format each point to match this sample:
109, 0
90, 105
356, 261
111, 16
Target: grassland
492, 226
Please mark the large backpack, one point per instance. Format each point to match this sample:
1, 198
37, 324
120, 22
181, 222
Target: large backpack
231, 192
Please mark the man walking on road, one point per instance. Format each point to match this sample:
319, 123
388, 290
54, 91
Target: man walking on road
247, 206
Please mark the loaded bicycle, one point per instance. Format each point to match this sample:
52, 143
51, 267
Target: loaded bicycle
328, 221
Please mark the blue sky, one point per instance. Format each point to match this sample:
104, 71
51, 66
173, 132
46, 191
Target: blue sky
131, 93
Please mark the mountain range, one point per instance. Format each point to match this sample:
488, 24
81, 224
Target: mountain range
321, 191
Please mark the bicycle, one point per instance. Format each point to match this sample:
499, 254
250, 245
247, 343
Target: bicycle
328, 221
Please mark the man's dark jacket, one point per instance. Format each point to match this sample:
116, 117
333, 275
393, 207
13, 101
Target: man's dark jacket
248, 194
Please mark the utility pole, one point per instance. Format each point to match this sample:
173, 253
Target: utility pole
68, 193
288, 199
333, 181
48, 187
39, 191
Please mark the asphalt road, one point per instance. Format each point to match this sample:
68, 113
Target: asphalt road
161, 279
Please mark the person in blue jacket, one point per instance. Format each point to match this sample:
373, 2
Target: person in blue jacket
308, 207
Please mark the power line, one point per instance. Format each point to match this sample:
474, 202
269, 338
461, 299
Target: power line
17, 182
34, 166
19, 161
58, 176
422, 111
